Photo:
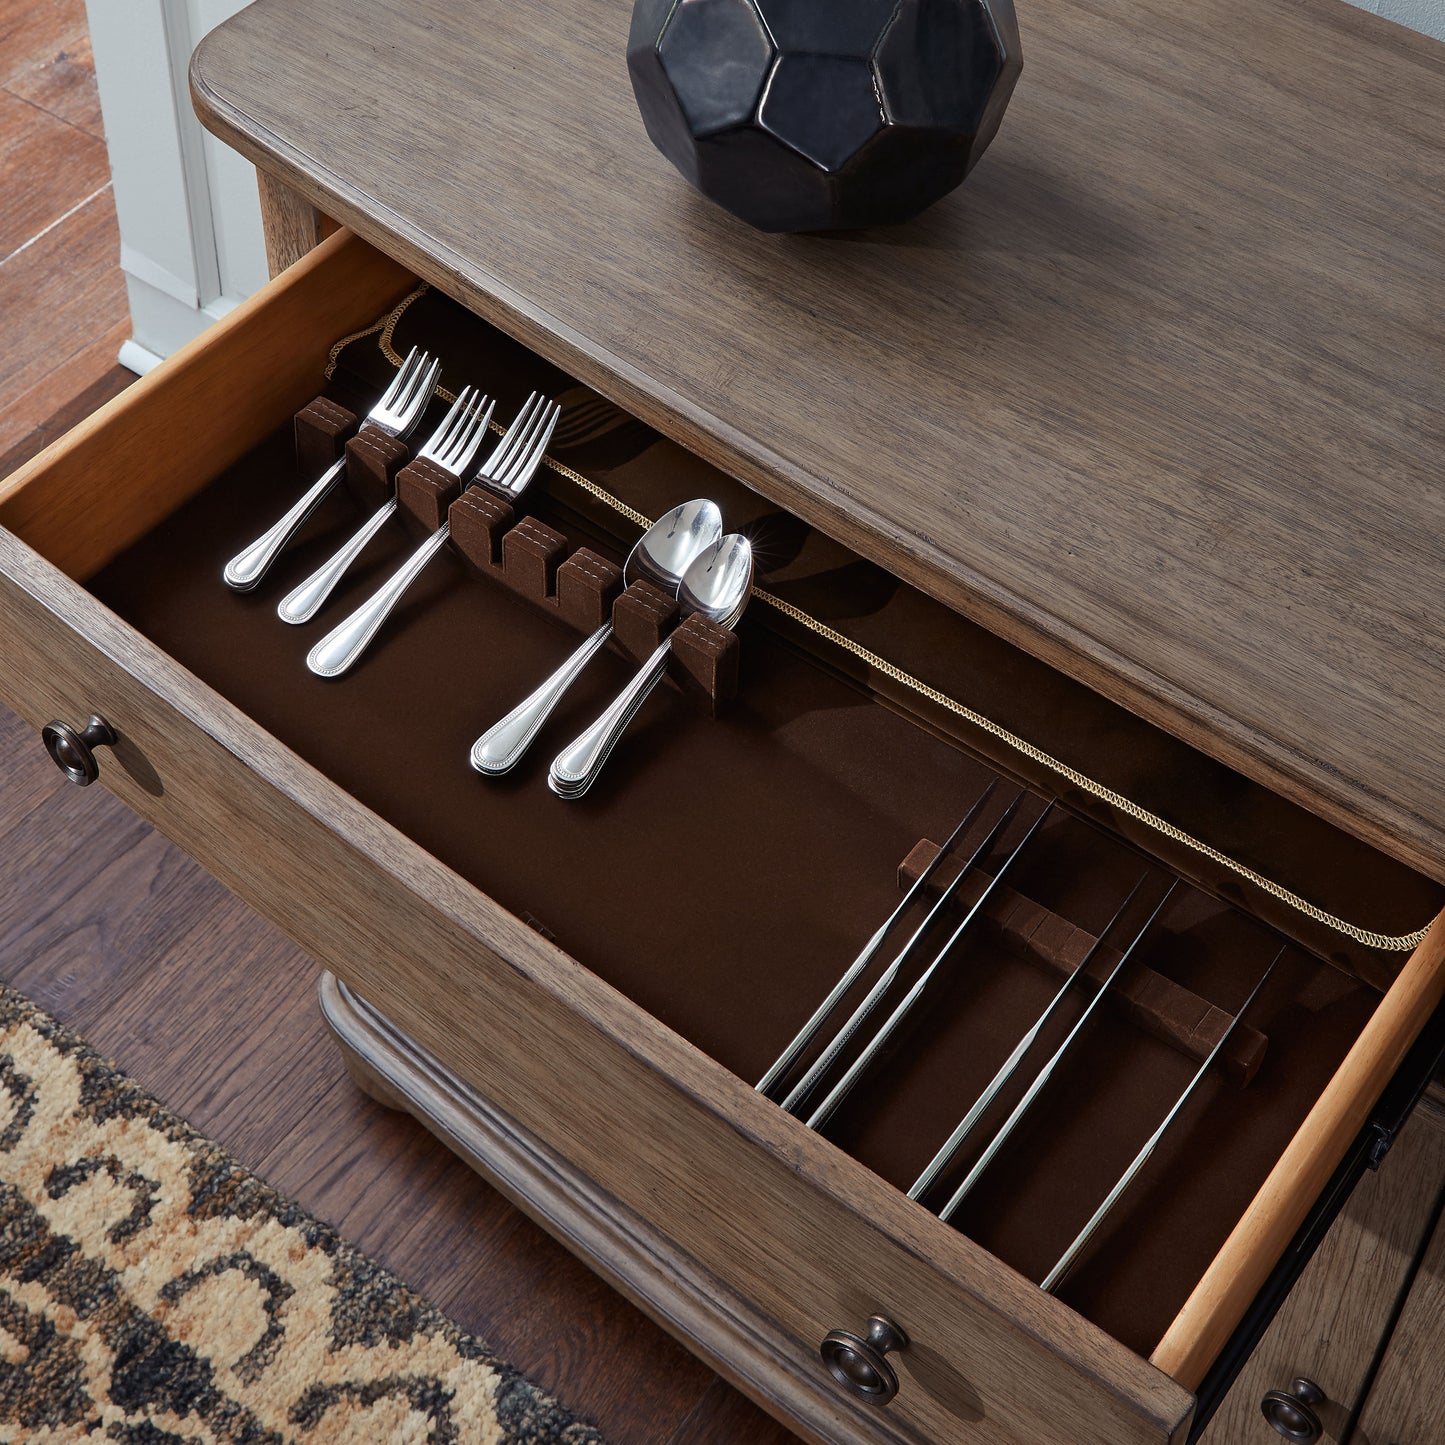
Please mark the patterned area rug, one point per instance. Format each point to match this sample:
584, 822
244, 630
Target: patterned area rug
153, 1292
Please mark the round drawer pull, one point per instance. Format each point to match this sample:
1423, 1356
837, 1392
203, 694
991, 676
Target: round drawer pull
1291, 1412
74, 752
857, 1362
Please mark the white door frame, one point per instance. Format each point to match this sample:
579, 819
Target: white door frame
190, 222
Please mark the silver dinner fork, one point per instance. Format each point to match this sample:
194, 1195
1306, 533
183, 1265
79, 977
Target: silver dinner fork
396, 413
506, 472
453, 446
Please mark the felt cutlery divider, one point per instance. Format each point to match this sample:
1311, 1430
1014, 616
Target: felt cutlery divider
607, 473
533, 560
1170, 1012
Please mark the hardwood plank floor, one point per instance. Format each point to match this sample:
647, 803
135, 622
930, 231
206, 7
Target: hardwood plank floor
46, 167
58, 75
63, 309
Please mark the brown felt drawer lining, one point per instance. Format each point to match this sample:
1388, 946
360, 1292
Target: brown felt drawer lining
726, 870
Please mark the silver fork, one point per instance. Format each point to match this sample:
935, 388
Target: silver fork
396, 413
506, 472
453, 447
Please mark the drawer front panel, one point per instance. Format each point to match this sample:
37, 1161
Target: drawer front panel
1337, 1316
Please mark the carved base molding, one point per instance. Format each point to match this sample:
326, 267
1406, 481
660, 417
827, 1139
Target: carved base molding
783, 1375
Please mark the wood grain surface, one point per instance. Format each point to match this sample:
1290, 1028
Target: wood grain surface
1238, 1271
1338, 1315
1406, 1403
747, 1196
619, 1244
1157, 394
289, 221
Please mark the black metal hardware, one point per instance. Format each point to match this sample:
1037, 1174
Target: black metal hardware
858, 1363
1291, 1412
1380, 1145
74, 752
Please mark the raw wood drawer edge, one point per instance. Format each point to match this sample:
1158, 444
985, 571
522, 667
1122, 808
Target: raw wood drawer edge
1239, 1270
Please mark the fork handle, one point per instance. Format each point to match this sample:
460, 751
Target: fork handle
302, 603
249, 566
345, 643
575, 769
501, 747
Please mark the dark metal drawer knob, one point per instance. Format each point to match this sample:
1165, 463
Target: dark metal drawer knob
74, 752
1291, 1412
858, 1363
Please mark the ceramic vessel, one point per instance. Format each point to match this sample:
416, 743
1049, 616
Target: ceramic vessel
805, 115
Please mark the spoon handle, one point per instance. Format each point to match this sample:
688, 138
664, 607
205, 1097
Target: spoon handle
500, 748
575, 769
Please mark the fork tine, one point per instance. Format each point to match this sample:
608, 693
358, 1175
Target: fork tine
544, 438
410, 412
523, 432
461, 427
405, 400
436, 448
493, 463
517, 457
542, 422
402, 377
520, 472
421, 394
466, 447
457, 418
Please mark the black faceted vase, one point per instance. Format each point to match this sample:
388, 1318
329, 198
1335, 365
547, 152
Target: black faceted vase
812, 115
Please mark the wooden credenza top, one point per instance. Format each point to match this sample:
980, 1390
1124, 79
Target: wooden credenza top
1158, 395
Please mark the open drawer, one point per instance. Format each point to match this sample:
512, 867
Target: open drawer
750, 1235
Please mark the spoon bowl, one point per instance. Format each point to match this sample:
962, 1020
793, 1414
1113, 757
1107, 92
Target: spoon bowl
717, 584
719, 581
663, 553
660, 556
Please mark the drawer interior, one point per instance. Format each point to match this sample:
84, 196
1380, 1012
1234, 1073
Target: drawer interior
725, 871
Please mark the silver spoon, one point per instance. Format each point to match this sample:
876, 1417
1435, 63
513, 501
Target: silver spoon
661, 556
717, 584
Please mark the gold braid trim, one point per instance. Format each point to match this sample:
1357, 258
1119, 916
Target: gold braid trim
387, 326
1395, 943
